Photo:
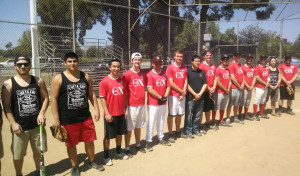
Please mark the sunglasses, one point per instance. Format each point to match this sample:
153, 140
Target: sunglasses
24, 64
158, 63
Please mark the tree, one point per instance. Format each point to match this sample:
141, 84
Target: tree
229, 36
24, 45
213, 29
8, 46
187, 36
295, 48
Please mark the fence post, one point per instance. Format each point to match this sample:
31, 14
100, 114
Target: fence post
73, 26
34, 39
199, 32
169, 31
129, 48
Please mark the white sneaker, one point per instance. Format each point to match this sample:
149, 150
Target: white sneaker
228, 123
121, 156
108, 162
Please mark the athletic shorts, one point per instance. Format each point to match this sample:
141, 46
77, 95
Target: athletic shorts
20, 142
260, 96
80, 132
136, 117
176, 107
272, 94
1, 144
234, 97
284, 94
221, 100
208, 102
117, 127
245, 98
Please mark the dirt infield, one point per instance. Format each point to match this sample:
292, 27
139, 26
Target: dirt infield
268, 147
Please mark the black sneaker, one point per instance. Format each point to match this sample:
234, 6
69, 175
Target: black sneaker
164, 142
249, 118
181, 135
94, 165
75, 171
279, 113
264, 116
290, 111
128, 153
140, 149
171, 138
149, 147
257, 118
214, 127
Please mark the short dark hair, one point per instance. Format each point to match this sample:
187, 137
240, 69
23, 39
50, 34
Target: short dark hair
23, 58
195, 57
114, 60
70, 55
178, 51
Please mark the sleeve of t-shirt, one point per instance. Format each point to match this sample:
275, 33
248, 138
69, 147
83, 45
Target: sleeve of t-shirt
185, 70
204, 78
125, 83
169, 73
145, 79
256, 72
296, 70
149, 80
103, 89
217, 73
231, 69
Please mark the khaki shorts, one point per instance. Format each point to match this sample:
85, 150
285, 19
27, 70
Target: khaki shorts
20, 142
1, 144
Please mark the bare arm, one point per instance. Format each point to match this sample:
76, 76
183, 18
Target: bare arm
175, 87
41, 119
220, 85
93, 98
6, 101
168, 90
54, 92
152, 92
234, 81
108, 117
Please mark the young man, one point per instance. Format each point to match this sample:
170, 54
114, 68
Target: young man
135, 81
70, 92
25, 101
112, 97
262, 76
249, 82
222, 91
158, 89
289, 73
177, 76
237, 86
194, 99
209, 70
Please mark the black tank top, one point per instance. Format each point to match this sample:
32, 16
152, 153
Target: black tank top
274, 77
73, 100
26, 103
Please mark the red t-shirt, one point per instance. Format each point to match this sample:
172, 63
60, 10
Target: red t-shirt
263, 72
288, 72
209, 72
235, 69
134, 83
223, 75
112, 90
248, 74
159, 82
179, 75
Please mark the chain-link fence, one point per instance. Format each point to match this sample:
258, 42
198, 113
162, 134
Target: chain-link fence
98, 30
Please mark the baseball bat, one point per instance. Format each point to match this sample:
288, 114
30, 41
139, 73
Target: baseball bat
42, 164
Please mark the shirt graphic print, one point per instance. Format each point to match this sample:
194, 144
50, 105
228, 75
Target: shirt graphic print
77, 95
27, 102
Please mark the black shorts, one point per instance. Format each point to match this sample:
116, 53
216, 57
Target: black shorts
117, 127
208, 102
284, 94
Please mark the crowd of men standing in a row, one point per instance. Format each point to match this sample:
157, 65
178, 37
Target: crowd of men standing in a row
203, 87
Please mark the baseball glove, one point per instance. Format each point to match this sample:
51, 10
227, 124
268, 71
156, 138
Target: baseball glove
162, 100
290, 90
61, 134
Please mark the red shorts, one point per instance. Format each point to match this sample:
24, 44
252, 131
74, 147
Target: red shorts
80, 132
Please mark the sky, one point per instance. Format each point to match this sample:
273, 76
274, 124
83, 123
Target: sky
19, 11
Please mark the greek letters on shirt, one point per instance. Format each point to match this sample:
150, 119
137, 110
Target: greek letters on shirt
77, 95
226, 75
250, 74
27, 102
288, 70
161, 82
179, 75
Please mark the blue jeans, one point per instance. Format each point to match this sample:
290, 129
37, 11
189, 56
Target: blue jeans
193, 110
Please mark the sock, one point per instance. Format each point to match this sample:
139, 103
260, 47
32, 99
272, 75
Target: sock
106, 153
240, 110
261, 109
280, 108
214, 117
138, 145
118, 149
254, 109
246, 111
288, 108
221, 115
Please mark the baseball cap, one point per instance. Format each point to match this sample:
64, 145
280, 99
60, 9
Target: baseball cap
224, 57
249, 56
263, 56
288, 57
156, 59
18, 58
237, 54
136, 55
206, 52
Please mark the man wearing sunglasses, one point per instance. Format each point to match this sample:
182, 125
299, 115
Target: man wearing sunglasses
25, 101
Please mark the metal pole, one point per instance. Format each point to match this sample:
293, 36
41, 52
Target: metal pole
199, 32
34, 39
280, 44
73, 25
129, 48
237, 38
169, 31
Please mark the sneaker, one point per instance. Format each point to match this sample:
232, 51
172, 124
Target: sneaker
94, 165
108, 162
121, 156
38, 173
75, 171
256, 118
140, 149
171, 138
279, 113
236, 120
249, 118
228, 123
242, 122
215, 127
203, 131
264, 116
198, 133
223, 123
128, 153
191, 136
149, 147
181, 135
165, 143
290, 111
